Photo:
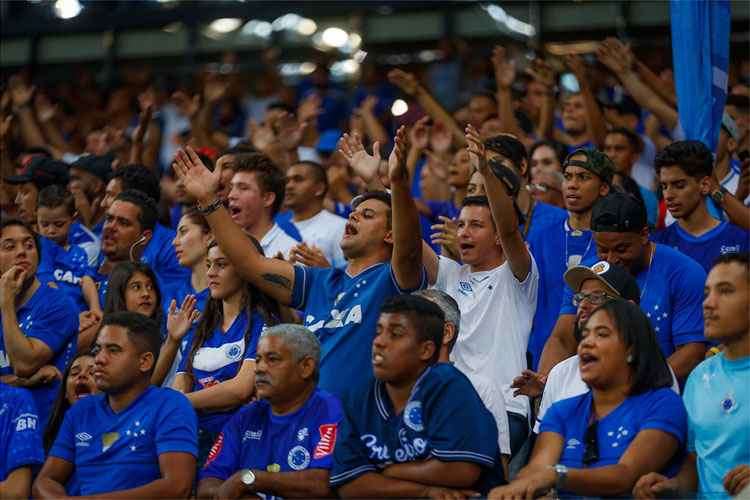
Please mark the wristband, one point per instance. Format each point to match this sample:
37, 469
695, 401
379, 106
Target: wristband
210, 208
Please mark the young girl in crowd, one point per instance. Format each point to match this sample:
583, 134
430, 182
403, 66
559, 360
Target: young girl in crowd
630, 423
218, 371
132, 287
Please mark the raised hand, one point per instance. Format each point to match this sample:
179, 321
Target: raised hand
407, 82
311, 256
199, 181
529, 384
214, 89
309, 109
368, 104
261, 136
45, 110
180, 320
145, 117
541, 72
20, 93
147, 99
575, 64
397, 171
289, 131
445, 234
476, 149
365, 165
419, 134
505, 70
441, 139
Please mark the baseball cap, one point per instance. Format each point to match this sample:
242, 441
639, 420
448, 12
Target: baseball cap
615, 279
618, 213
42, 172
596, 162
99, 166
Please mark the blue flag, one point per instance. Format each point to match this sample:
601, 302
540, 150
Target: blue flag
700, 50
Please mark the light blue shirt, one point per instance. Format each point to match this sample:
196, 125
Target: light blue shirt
717, 399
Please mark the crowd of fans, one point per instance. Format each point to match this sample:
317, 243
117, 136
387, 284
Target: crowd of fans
519, 287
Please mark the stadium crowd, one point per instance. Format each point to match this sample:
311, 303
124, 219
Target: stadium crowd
235, 289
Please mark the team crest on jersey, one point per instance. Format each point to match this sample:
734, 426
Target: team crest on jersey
464, 287
413, 416
234, 352
298, 458
215, 449
327, 441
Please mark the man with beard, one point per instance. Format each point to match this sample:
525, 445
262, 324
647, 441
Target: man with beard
670, 284
341, 306
38, 322
283, 443
128, 235
132, 440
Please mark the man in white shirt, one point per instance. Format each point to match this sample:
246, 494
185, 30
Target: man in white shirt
306, 187
256, 194
495, 288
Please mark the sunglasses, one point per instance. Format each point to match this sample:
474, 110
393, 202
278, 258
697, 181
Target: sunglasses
595, 298
591, 444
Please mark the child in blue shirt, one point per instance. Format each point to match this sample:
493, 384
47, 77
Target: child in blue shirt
63, 263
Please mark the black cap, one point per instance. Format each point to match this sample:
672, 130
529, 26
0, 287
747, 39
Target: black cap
615, 278
99, 166
42, 172
507, 175
624, 104
618, 213
596, 162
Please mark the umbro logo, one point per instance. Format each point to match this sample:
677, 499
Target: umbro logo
83, 438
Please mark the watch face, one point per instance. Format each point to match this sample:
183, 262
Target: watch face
248, 477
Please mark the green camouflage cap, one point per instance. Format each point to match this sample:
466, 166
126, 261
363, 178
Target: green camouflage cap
596, 162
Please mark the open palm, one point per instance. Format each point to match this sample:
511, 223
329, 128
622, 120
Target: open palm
199, 181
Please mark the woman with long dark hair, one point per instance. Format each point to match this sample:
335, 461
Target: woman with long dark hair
628, 424
184, 303
218, 371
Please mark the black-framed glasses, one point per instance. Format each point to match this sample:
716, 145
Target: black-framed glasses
591, 444
596, 298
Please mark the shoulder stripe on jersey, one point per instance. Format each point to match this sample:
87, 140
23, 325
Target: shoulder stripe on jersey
466, 455
351, 474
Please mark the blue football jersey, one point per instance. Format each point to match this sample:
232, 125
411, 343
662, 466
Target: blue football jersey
87, 239
343, 311
160, 255
255, 438
66, 268
555, 247
443, 419
219, 359
660, 409
118, 451
705, 249
671, 296
51, 317
20, 431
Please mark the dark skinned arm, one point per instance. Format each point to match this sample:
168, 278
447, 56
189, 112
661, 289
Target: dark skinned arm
437, 473
685, 358
560, 345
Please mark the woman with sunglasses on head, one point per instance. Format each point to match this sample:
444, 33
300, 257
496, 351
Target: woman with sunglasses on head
629, 423
217, 373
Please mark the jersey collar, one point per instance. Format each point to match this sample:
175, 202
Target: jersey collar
383, 401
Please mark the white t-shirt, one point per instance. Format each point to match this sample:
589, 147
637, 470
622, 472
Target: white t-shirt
564, 381
643, 172
496, 315
325, 231
275, 241
493, 399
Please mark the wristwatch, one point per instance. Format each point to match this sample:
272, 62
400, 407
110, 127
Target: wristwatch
247, 477
718, 196
562, 476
